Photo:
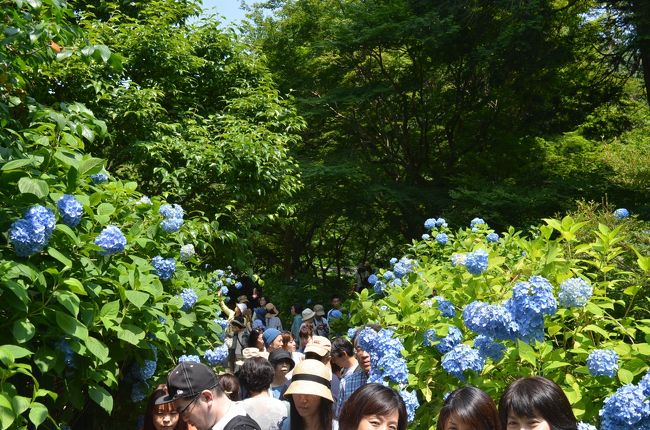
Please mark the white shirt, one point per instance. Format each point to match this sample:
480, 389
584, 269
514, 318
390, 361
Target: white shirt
267, 411
234, 410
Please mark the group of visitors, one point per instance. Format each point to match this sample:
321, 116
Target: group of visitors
282, 382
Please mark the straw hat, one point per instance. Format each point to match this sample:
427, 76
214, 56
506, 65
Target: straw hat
242, 299
319, 310
271, 309
310, 377
307, 314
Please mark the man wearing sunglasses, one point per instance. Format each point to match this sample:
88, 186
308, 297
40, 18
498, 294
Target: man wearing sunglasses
201, 402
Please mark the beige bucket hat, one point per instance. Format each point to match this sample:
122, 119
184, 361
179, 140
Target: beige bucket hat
310, 377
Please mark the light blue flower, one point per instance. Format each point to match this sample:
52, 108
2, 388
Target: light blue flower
425, 236
430, 223
494, 321
625, 409
70, 209
644, 384
189, 358
187, 252
388, 275
189, 298
445, 307
144, 201
442, 238
238, 285
621, 213
411, 402
366, 339
603, 362
440, 222
372, 279
585, 426
458, 259
461, 359
224, 291
477, 262
447, 343
574, 293
335, 314
171, 211
476, 222
489, 348
99, 178
164, 267
529, 303
379, 287
396, 282
111, 240
351, 332
492, 237
216, 356
393, 261
32, 233
171, 225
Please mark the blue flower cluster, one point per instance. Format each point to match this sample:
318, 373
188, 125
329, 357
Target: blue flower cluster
426, 236
386, 361
189, 358
31, 233
476, 223
621, 213
164, 267
603, 362
187, 252
70, 209
173, 215
189, 298
487, 347
336, 314
223, 323
458, 259
585, 426
111, 240
68, 354
432, 223
477, 262
411, 402
574, 293
224, 290
627, 409
493, 321
529, 303
216, 356
403, 267
238, 285
447, 343
445, 307
99, 178
221, 280
351, 332
492, 237
393, 261
461, 359
144, 201
442, 238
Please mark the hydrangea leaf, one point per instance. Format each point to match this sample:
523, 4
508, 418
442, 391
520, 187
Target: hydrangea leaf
98, 349
59, 257
138, 298
37, 413
68, 300
17, 164
20, 404
38, 187
91, 166
71, 326
130, 333
23, 330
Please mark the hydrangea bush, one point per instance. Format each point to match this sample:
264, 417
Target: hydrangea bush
564, 301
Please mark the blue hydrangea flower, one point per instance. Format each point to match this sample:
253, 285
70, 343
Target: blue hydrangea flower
477, 262
335, 314
111, 240
393, 261
144, 201
396, 282
625, 409
574, 293
70, 209
529, 303
390, 367
621, 213
440, 222
388, 275
162, 320
224, 291
351, 332
644, 384
487, 347
149, 368
603, 362
238, 285
458, 259
461, 359
411, 402
425, 236
31, 233
453, 338
99, 178
171, 211
372, 279
189, 358
585, 426
403, 267
430, 337
138, 393
187, 252
68, 353
476, 222
442, 238
219, 272
492, 237
430, 223
445, 307
216, 356
171, 225
164, 267
189, 298
493, 321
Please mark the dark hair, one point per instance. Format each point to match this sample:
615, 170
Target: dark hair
342, 346
472, 407
230, 385
325, 415
253, 336
335, 296
306, 330
536, 396
297, 308
372, 399
152, 407
256, 374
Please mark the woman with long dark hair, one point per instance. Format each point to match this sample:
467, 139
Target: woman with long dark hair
373, 406
536, 403
162, 416
468, 408
310, 397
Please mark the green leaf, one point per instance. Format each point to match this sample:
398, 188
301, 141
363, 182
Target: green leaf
97, 348
526, 352
625, 376
138, 298
9, 353
68, 300
18, 290
104, 52
105, 209
60, 257
71, 326
23, 330
91, 166
17, 164
37, 413
68, 232
20, 404
37, 187
110, 310
130, 333
101, 397
75, 286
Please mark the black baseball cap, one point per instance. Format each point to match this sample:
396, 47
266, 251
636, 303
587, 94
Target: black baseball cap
188, 379
278, 355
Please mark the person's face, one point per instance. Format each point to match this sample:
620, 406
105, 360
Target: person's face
293, 310
338, 358
336, 302
291, 345
525, 423
380, 422
194, 411
363, 358
276, 344
307, 404
282, 367
262, 301
165, 420
454, 423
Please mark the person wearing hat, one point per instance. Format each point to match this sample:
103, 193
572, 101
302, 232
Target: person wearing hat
319, 348
272, 339
237, 341
282, 364
310, 398
243, 299
256, 375
321, 327
272, 320
201, 401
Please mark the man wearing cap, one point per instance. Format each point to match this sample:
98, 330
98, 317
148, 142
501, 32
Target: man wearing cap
321, 327
201, 402
272, 339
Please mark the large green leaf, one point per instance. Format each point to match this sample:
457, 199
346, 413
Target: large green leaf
23, 330
101, 397
130, 333
68, 300
97, 348
71, 326
10, 353
37, 187
138, 298
37, 413
90, 166
60, 257
17, 164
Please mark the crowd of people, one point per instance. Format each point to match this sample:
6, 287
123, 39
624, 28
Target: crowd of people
300, 379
